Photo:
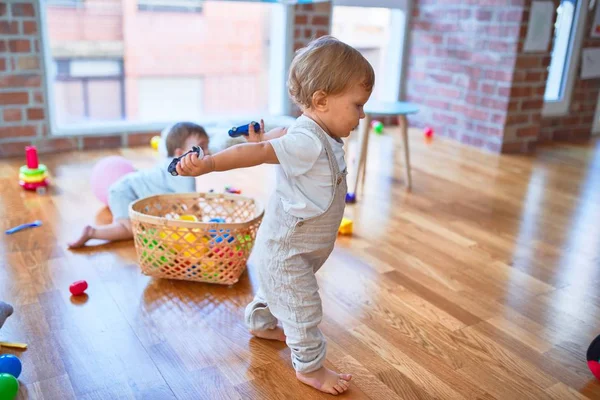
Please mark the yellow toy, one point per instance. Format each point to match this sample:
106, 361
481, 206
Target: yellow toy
154, 142
345, 227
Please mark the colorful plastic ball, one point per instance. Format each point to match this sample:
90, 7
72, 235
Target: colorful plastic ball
106, 172
10, 364
78, 288
350, 198
378, 127
593, 357
9, 386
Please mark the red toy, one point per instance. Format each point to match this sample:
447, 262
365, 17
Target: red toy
33, 176
232, 190
78, 288
428, 132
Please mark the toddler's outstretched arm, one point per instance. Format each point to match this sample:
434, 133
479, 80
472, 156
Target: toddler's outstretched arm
239, 156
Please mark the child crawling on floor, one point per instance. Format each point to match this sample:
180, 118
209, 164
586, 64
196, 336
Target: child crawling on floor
181, 137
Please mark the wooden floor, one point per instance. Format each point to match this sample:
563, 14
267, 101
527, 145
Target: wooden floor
481, 283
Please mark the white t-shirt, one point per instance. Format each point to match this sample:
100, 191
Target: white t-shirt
304, 181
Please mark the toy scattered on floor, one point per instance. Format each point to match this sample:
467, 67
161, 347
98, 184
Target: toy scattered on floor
237, 131
173, 166
33, 176
154, 142
232, 190
350, 198
9, 387
14, 345
33, 224
346, 226
377, 127
593, 357
10, 364
106, 172
78, 288
188, 217
217, 220
428, 132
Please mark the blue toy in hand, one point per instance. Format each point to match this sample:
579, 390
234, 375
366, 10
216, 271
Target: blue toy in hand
237, 131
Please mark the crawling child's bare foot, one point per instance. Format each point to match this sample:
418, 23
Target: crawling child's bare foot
326, 380
271, 334
85, 236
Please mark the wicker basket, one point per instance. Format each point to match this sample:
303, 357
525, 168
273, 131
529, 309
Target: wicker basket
176, 235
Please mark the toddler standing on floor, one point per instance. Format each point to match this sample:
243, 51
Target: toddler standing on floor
330, 81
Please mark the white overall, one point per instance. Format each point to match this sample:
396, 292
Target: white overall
288, 252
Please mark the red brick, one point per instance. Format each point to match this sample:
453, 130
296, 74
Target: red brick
478, 115
34, 114
511, 16
23, 10
503, 76
429, 38
532, 104
320, 20
140, 139
494, 104
484, 15
19, 81
321, 32
101, 142
504, 91
436, 103
19, 46
520, 91
499, 118
444, 119
517, 119
488, 89
14, 98
2, 64
440, 78
30, 27
514, 105
38, 97
12, 115
518, 147
528, 62
301, 20
28, 63
18, 131
9, 27
530, 131
533, 76
2, 9
14, 149
307, 33
490, 131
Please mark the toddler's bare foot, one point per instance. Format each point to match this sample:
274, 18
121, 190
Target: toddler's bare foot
271, 334
85, 236
326, 380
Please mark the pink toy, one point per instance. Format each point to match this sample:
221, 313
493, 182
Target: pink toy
78, 288
428, 132
106, 172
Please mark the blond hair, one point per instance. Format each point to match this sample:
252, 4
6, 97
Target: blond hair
329, 65
179, 133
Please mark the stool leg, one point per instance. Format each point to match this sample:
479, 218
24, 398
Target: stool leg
362, 156
363, 170
404, 131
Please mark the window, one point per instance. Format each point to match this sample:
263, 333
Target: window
378, 32
568, 29
154, 65
88, 89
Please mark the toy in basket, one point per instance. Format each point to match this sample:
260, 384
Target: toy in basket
204, 237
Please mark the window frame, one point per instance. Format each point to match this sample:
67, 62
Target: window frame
561, 107
280, 52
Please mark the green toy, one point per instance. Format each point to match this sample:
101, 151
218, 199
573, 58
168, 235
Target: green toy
378, 127
9, 386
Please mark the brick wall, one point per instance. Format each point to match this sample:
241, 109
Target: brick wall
578, 123
461, 63
468, 71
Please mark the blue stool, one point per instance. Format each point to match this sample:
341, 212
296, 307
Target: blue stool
398, 109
